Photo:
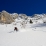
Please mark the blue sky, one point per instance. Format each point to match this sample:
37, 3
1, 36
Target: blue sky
28, 7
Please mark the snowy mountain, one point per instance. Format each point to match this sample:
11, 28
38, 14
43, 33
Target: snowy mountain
8, 18
36, 18
31, 30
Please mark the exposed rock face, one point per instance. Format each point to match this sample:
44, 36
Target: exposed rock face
8, 18
23, 16
5, 17
14, 15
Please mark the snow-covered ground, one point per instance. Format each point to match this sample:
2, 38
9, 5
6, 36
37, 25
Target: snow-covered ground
31, 35
31, 30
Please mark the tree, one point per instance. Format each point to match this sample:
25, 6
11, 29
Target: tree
31, 21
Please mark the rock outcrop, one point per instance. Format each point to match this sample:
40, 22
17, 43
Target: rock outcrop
14, 15
23, 16
5, 17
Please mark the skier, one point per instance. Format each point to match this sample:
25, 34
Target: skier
15, 29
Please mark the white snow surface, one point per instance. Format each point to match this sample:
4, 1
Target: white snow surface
27, 35
31, 35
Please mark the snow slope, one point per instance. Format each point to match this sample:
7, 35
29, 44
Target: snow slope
27, 35
33, 35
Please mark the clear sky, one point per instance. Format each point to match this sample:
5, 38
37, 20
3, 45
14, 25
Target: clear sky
28, 7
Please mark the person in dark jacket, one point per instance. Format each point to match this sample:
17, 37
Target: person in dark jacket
15, 29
